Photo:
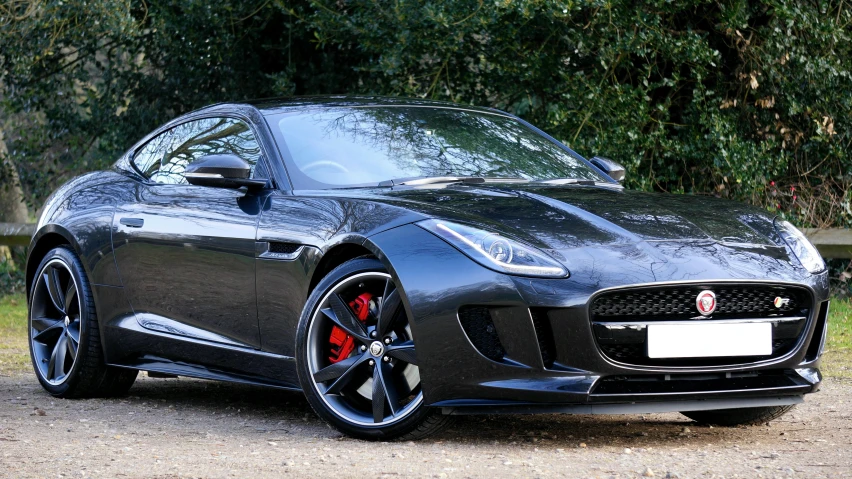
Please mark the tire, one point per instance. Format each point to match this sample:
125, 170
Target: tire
63, 326
738, 417
381, 397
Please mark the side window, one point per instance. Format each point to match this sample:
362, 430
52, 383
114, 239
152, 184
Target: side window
170, 153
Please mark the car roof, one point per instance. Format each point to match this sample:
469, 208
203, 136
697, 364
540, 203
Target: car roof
271, 106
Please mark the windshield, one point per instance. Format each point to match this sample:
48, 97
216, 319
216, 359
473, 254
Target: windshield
349, 147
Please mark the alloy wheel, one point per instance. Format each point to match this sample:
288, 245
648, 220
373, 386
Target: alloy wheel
55, 322
377, 381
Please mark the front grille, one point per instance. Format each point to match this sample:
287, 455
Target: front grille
620, 318
664, 303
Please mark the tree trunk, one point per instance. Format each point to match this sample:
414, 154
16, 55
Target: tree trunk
12, 206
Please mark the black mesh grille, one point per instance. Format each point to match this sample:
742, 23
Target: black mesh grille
693, 383
477, 324
283, 248
680, 301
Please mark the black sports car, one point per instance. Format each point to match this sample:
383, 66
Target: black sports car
403, 261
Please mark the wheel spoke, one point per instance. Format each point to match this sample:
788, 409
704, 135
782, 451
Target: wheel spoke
70, 344
70, 297
347, 375
56, 365
389, 286
336, 370
343, 317
74, 331
54, 288
404, 352
391, 395
378, 395
47, 328
387, 314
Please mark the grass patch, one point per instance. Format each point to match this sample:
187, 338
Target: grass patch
15, 358
837, 356
14, 352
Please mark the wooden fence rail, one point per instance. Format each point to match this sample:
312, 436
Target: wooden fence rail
831, 242
16, 234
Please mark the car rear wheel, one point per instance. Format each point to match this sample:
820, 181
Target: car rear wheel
738, 417
65, 345
357, 360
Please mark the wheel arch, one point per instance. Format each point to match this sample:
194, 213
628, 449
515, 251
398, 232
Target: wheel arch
334, 257
49, 237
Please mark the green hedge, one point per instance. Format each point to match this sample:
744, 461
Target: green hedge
748, 100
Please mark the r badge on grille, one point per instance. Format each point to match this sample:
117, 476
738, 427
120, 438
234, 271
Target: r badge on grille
706, 302
781, 302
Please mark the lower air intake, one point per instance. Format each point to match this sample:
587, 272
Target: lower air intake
479, 328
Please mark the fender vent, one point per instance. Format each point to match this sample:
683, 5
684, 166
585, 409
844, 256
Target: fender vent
479, 328
283, 248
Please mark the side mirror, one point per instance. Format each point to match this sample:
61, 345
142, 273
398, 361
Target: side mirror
223, 171
613, 169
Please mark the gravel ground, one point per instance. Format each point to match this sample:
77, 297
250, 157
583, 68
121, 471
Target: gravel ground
170, 428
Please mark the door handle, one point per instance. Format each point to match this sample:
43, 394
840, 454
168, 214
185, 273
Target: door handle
132, 222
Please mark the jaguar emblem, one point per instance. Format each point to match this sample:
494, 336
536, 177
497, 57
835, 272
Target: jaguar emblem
706, 302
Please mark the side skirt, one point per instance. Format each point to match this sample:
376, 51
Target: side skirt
165, 368
132, 346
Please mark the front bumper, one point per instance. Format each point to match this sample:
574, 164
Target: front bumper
438, 281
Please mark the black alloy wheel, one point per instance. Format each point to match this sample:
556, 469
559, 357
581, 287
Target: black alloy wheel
368, 384
55, 322
65, 345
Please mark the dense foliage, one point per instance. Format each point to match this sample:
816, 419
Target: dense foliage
749, 100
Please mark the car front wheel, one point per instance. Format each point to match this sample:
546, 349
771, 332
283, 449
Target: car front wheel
356, 356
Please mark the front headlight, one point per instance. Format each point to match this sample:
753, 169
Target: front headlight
496, 252
802, 248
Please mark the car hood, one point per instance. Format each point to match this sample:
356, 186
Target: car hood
569, 217
617, 236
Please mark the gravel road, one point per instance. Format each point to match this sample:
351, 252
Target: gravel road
169, 428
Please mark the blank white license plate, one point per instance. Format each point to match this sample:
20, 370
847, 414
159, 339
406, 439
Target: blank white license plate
709, 340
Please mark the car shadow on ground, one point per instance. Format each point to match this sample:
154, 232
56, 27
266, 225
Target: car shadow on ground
287, 412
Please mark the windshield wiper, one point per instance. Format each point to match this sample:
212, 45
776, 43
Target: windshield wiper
567, 181
432, 180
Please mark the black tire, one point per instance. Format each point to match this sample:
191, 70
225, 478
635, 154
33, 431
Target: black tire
88, 375
738, 417
420, 421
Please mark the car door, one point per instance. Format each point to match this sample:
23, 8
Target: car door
186, 254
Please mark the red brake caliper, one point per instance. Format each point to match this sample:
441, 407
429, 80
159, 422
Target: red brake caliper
342, 343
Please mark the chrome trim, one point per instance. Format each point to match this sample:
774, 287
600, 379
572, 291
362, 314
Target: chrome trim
203, 175
638, 325
281, 256
155, 322
808, 331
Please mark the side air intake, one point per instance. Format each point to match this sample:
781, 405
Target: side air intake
479, 328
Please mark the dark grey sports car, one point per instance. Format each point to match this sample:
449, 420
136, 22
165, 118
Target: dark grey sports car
403, 261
